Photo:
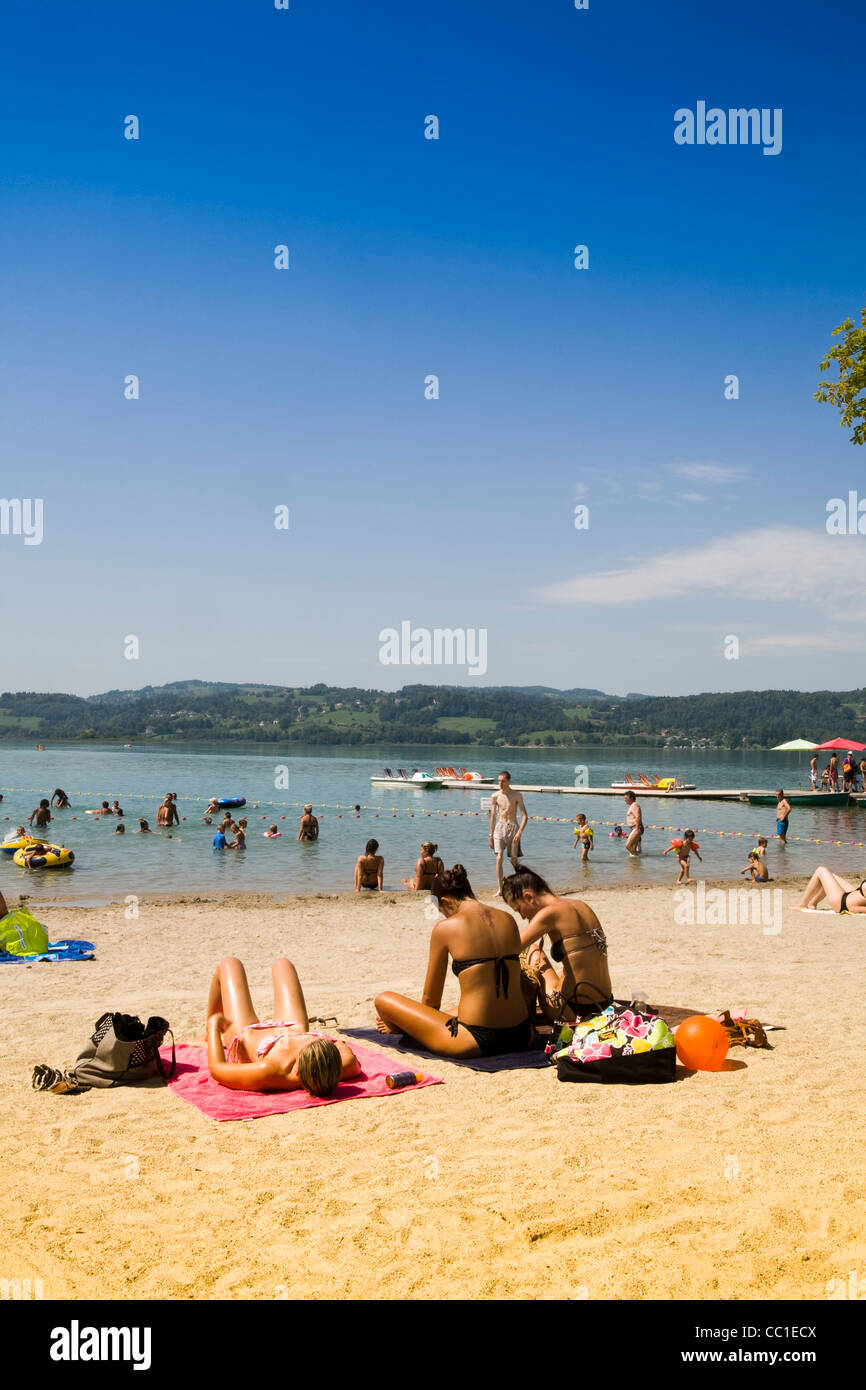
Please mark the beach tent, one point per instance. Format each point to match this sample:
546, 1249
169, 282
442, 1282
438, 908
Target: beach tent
843, 745
794, 746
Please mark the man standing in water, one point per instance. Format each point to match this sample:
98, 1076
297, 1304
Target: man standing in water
783, 811
504, 831
634, 821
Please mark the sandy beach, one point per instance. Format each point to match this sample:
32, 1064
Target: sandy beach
740, 1184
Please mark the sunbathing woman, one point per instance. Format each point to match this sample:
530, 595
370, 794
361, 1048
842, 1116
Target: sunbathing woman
369, 868
426, 869
577, 942
484, 946
281, 1055
840, 894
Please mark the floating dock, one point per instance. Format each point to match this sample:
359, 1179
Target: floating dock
711, 794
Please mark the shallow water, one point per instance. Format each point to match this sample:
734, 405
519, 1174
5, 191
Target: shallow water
110, 866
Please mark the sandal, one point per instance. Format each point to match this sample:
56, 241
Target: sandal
745, 1032
60, 1083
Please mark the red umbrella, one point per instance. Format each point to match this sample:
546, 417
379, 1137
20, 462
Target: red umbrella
843, 744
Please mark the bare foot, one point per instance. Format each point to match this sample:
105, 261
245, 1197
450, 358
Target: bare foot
384, 1027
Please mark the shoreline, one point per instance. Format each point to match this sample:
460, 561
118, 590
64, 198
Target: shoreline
249, 899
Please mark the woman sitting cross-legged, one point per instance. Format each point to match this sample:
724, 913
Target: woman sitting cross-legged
840, 894
484, 946
577, 943
281, 1055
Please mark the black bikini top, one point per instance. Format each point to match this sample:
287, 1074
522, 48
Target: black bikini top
500, 970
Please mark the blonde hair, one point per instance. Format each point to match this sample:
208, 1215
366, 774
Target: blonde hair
320, 1066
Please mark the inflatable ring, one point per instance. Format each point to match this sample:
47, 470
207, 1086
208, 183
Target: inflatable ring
20, 842
227, 802
54, 857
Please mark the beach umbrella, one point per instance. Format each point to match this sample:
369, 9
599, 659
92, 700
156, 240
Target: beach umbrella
794, 746
843, 745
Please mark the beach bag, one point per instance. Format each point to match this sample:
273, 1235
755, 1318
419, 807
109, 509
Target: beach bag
21, 934
621, 1045
121, 1050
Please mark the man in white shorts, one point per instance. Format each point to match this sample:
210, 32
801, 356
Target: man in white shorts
505, 833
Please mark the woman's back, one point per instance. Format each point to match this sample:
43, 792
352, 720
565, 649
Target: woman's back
580, 946
484, 945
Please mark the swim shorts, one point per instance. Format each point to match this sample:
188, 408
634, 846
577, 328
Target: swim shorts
504, 832
782, 828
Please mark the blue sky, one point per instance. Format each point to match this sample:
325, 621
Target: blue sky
408, 257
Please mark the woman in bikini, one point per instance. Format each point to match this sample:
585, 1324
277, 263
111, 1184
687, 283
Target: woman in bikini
426, 869
309, 827
840, 894
484, 947
369, 868
281, 1055
577, 943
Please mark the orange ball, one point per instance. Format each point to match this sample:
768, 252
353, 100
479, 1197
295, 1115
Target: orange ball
702, 1043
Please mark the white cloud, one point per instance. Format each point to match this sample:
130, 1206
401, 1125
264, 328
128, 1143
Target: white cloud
776, 564
709, 472
694, 497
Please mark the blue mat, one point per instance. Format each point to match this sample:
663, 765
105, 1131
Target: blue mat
510, 1061
57, 950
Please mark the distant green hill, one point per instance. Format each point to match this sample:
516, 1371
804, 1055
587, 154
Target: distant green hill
427, 714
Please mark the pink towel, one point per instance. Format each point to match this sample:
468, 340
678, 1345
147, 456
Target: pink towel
193, 1082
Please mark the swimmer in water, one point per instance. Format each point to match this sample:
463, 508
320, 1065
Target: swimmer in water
309, 829
59, 799
583, 836
143, 827
42, 813
120, 830
272, 833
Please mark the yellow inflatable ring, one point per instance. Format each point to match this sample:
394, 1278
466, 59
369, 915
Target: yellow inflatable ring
53, 857
20, 842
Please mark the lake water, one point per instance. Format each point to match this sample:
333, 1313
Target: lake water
110, 866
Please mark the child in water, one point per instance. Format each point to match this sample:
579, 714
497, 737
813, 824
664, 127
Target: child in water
761, 848
120, 830
272, 833
756, 868
583, 836
683, 848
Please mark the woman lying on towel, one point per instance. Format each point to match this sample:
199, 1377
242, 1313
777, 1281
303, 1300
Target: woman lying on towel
577, 943
484, 947
840, 894
281, 1055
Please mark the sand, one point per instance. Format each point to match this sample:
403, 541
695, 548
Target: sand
748, 1183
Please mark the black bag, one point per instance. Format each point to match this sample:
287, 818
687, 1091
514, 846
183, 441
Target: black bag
122, 1050
624, 1044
